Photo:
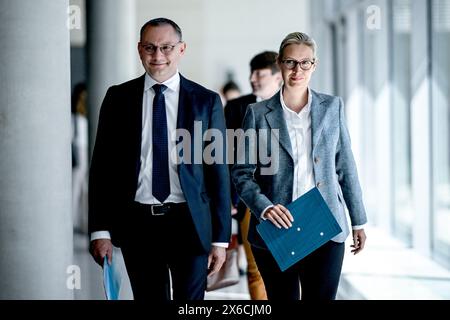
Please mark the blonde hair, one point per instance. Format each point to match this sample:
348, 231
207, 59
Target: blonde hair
297, 38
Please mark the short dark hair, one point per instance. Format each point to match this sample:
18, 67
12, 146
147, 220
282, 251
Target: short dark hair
230, 85
76, 94
160, 22
266, 59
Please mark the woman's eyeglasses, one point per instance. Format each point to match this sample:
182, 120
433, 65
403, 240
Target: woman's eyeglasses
305, 65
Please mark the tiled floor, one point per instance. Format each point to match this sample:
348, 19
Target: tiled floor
385, 270
92, 286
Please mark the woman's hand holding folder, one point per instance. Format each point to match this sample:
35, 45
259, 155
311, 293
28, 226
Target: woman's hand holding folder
279, 216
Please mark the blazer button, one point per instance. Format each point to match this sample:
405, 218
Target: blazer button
318, 185
316, 160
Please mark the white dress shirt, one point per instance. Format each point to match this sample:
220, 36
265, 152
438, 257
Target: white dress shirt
144, 189
171, 94
299, 128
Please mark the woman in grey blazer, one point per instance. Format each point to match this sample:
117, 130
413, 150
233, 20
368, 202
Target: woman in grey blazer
312, 150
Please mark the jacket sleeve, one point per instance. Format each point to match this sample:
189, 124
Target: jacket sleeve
218, 179
100, 174
243, 171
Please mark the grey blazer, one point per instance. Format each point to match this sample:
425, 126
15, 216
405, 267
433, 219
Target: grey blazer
333, 163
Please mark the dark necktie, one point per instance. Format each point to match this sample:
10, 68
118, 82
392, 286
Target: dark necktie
160, 176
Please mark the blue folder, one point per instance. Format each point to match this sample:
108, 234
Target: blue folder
313, 226
112, 279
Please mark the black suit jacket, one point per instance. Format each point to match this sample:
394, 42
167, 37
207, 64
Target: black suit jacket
115, 163
234, 116
235, 110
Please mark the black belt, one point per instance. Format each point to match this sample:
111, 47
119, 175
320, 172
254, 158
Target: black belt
161, 209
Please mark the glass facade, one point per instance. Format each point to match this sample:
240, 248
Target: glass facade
400, 51
440, 40
401, 116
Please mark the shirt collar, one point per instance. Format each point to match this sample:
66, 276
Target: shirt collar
172, 83
305, 110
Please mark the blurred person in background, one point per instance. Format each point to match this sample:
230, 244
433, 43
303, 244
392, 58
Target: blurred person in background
230, 91
80, 159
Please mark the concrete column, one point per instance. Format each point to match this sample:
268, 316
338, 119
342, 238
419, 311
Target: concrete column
112, 38
355, 109
421, 126
35, 205
382, 114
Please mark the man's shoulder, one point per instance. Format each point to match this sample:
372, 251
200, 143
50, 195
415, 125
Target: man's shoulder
195, 87
242, 101
130, 84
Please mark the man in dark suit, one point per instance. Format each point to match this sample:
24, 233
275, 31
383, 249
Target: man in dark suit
265, 79
167, 209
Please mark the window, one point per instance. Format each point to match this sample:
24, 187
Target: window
373, 80
441, 128
401, 116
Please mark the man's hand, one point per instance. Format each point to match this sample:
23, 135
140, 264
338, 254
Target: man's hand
359, 240
101, 248
216, 259
279, 216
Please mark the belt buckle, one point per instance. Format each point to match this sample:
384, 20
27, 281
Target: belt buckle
157, 214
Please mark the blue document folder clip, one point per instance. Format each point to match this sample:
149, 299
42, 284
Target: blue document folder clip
313, 226
112, 279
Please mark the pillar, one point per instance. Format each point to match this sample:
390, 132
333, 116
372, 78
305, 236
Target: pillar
35, 170
112, 38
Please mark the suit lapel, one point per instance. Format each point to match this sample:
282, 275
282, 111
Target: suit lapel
318, 112
184, 117
275, 119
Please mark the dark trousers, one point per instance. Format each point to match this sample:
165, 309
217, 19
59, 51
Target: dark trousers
164, 250
318, 274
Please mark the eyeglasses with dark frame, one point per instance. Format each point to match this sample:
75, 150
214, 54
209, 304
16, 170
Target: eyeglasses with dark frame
305, 65
165, 48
